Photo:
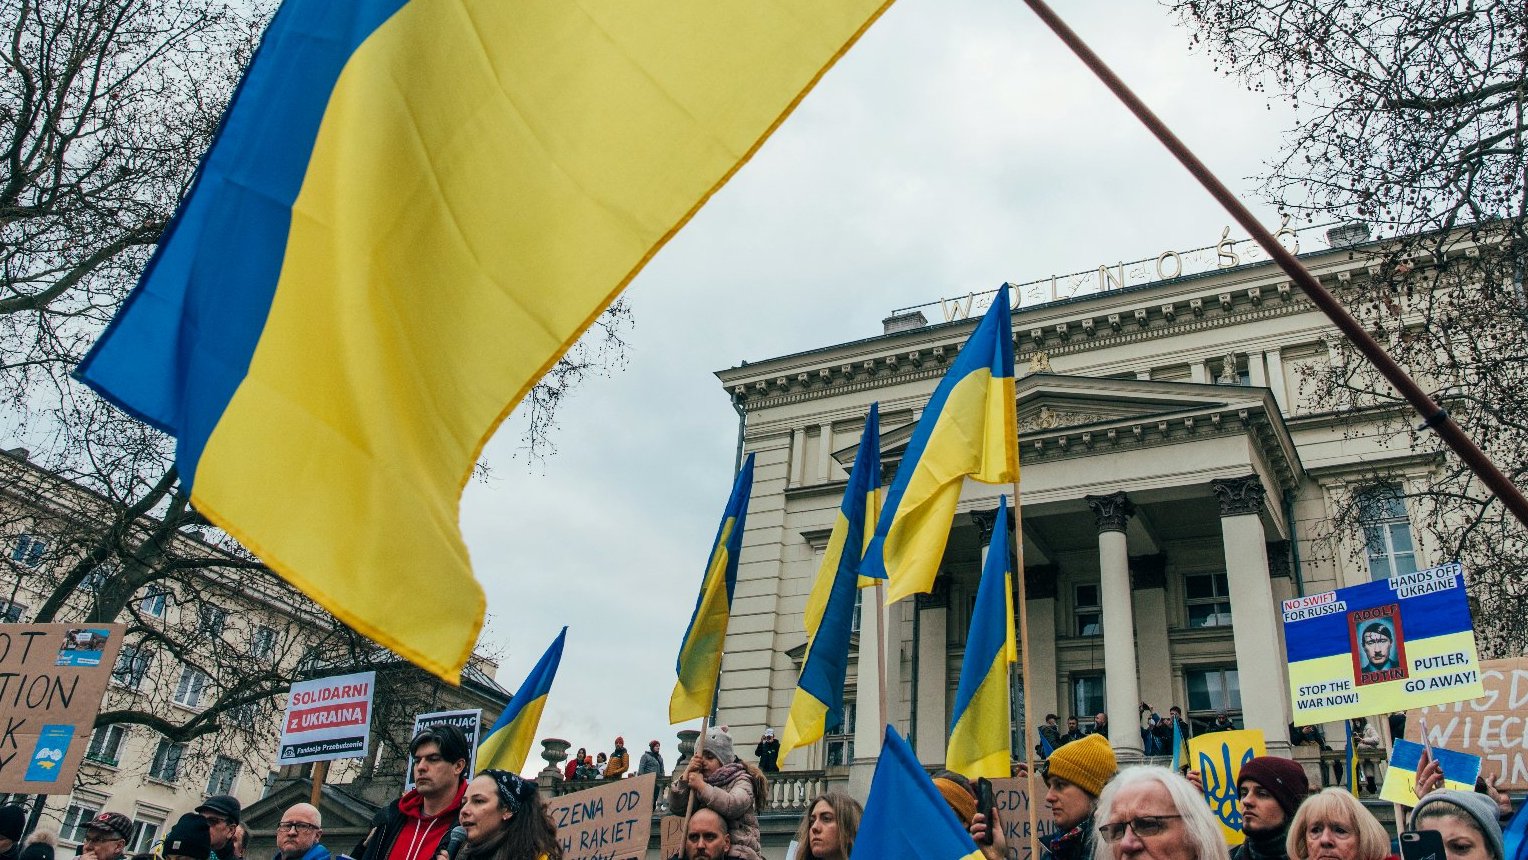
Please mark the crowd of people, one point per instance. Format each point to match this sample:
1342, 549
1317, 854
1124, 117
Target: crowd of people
212, 832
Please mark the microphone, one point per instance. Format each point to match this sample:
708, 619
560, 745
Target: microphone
453, 841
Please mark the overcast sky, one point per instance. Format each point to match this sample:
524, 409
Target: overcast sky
956, 147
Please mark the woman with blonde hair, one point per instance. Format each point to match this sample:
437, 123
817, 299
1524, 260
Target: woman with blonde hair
1150, 811
1332, 825
827, 830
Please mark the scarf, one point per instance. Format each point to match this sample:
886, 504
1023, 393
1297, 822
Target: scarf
1070, 844
1267, 846
726, 775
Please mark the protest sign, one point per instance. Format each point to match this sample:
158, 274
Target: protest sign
1459, 771
612, 821
1010, 804
52, 679
671, 837
1219, 756
468, 721
1493, 726
1383, 646
327, 719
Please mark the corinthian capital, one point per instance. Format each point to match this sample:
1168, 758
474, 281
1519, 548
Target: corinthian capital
1112, 511
1239, 496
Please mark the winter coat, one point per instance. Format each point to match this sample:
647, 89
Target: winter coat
729, 793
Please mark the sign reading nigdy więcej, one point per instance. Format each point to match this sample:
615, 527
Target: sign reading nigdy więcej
1388, 645
326, 719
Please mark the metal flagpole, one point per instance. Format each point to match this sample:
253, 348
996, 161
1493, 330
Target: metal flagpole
1433, 415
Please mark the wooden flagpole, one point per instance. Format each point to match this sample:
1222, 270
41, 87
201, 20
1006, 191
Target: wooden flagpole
1023, 609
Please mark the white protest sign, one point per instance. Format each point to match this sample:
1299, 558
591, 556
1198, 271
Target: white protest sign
327, 719
467, 721
610, 822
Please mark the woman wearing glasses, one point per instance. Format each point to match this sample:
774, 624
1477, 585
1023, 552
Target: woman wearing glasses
1152, 813
504, 820
1333, 825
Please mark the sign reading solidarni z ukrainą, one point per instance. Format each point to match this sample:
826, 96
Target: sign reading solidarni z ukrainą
1388, 645
326, 719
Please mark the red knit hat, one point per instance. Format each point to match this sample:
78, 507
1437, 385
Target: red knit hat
1283, 778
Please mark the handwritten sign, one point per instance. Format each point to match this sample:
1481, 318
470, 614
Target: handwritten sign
1493, 726
327, 719
1381, 646
1010, 804
52, 679
1219, 756
671, 837
468, 721
610, 822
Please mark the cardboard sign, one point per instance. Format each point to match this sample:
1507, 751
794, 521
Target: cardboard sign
1219, 756
1010, 805
327, 719
1493, 726
468, 721
1459, 772
671, 837
610, 822
1382, 646
52, 679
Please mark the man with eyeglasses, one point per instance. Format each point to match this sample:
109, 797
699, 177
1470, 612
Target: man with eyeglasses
106, 837
298, 833
1075, 774
222, 812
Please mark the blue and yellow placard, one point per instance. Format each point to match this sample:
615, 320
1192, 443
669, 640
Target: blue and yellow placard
1460, 770
1219, 756
1388, 645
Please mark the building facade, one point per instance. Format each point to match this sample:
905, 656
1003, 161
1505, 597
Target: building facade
1178, 482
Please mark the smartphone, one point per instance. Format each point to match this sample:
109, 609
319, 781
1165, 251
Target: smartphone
1422, 845
984, 804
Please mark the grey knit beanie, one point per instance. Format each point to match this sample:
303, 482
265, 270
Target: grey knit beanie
1477, 806
719, 744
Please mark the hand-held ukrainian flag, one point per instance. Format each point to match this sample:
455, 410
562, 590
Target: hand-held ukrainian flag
411, 209
509, 741
980, 742
818, 703
1350, 758
1178, 741
969, 427
700, 654
905, 816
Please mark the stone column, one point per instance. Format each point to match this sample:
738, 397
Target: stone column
1148, 576
1122, 697
868, 728
933, 672
824, 452
1254, 614
1040, 592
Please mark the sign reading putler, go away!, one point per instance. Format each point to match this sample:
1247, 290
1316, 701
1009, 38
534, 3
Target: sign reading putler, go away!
327, 719
1402, 642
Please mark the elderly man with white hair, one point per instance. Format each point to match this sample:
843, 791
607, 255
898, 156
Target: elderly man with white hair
298, 834
1152, 812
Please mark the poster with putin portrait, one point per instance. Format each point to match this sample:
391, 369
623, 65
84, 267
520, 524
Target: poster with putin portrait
1396, 643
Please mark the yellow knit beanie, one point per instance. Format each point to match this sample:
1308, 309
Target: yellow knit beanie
1087, 763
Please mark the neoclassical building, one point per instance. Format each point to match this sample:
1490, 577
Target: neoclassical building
1178, 483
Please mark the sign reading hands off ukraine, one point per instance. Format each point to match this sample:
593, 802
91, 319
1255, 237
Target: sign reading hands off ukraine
1388, 645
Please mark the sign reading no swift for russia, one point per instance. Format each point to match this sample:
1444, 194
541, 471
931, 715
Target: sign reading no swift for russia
326, 719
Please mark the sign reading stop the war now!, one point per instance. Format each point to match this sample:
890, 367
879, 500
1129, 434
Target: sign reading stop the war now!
327, 719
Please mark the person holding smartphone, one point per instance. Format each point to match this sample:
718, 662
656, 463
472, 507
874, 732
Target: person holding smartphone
1467, 821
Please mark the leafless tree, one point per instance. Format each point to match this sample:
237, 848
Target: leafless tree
1412, 121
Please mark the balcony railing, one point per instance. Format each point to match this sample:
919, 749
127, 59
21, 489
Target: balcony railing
787, 792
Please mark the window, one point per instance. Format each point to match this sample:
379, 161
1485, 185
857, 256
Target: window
188, 693
1087, 696
840, 741
133, 663
225, 772
145, 831
29, 550
244, 715
11, 612
854, 621
166, 764
1211, 691
263, 643
96, 579
1089, 610
154, 602
209, 620
75, 818
1209, 604
106, 744
1387, 532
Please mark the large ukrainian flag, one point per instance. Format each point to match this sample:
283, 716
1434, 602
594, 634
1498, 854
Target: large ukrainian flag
969, 427
980, 735
818, 703
905, 816
700, 654
411, 210
509, 741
